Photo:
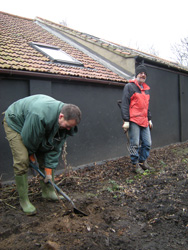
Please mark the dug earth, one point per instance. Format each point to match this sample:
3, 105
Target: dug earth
124, 210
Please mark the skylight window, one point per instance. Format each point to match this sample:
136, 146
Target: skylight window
56, 54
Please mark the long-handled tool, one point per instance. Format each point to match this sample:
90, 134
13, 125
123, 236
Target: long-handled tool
127, 133
76, 210
131, 149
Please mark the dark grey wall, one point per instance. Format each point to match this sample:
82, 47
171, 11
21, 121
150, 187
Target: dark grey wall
165, 106
10, 91
100, 134
184, 107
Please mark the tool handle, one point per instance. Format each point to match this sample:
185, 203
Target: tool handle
62, 193
55, 186
37, 169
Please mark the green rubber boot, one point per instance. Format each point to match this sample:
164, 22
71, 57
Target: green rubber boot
22, 188
48, 191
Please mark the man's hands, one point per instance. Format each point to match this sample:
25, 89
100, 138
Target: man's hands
125, 126
48, 173
32, 158
150, 124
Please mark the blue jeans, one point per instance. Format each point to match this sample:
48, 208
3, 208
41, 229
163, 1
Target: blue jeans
140, 142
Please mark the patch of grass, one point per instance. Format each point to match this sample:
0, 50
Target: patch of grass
180, 151
138, 176
129, 181
115, 189
185, 160
114, 185
162, 163
146, 172
91, 195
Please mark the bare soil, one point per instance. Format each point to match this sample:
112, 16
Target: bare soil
125, 210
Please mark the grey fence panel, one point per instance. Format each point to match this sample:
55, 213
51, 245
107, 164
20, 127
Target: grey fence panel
10, 91
100, 135
165, 106
184, 107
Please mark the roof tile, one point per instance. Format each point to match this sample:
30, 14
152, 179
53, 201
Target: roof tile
16, 53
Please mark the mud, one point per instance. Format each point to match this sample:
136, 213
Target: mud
125, 210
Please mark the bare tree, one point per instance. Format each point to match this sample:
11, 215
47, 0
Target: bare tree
149, 50
152, 51
64, 23
180, 52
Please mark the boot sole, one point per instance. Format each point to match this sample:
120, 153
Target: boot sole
30, 213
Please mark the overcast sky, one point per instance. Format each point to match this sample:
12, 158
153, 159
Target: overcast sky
138, 24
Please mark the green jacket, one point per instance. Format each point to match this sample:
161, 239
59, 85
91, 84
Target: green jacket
36, 119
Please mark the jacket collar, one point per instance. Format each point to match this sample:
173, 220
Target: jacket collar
145, 86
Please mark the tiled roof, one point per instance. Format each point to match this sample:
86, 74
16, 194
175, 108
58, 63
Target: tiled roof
16, 54
113, 47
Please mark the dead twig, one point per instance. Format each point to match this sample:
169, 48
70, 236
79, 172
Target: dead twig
68, 168
64, 155
7, 204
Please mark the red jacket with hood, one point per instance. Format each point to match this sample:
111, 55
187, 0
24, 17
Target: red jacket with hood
135, 103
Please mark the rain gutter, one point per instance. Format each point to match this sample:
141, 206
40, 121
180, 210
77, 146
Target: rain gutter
58, 77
